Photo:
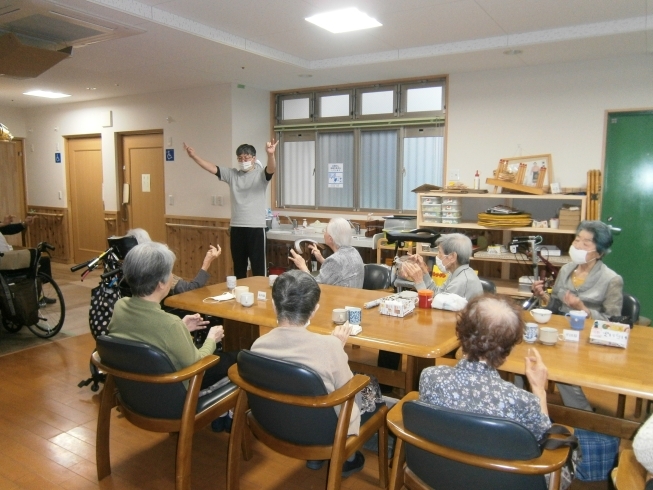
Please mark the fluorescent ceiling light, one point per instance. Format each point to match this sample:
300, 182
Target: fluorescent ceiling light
45, 93
344, 20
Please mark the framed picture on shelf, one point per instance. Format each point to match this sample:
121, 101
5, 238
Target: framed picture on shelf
531, 171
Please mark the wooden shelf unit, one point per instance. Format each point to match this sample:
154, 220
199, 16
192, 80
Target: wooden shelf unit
471, 201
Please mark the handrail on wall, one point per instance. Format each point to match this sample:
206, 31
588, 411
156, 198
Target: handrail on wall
34, 213
200, 227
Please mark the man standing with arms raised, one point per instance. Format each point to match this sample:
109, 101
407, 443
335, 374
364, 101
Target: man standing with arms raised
247, 185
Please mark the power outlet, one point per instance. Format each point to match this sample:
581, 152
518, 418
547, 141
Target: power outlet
454, 174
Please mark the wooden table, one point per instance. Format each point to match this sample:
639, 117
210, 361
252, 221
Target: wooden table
612, 369
425, 333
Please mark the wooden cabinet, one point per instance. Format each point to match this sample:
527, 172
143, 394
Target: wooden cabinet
503, 269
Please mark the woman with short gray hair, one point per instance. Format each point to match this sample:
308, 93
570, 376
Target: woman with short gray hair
180, 285
454, 253
148, 271
345, 266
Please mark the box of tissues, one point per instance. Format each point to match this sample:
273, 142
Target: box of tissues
395, 306
609, 333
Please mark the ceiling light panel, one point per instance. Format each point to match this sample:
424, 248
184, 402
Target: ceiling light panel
345, 20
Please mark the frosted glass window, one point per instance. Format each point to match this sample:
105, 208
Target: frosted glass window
378, 183
295, 109
378, 103
423, 164
424, 99
334, 106
335, 148
298, 175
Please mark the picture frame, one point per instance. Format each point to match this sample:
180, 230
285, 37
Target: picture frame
555, 188
534, 164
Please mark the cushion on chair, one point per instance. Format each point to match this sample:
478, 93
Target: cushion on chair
630, 307
165, 401
473, 433
299, 425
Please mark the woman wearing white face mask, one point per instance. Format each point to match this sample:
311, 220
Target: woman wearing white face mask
586, 283
454, 252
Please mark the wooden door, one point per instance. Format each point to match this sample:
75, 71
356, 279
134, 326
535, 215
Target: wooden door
628, 200
84, 158
12, 185
143, 162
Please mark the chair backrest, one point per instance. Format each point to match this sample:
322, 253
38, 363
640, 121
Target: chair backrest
482, 435
377, 276
488, 286
299, 425
165, 401
630, 307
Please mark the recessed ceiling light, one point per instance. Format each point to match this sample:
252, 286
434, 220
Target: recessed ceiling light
511, 52
91, 88
345, 20
304, 75
45, 93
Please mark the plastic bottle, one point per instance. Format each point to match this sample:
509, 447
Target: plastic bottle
305, 224
477, 181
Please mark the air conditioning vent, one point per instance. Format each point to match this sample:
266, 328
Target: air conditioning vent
47, 24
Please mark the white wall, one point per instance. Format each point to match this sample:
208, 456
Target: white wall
557, 109
14, 119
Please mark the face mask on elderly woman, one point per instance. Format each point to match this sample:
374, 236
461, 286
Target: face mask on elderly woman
578, 256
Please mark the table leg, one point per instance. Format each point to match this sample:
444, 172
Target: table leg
411, 374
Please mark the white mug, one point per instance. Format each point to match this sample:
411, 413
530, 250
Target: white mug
231, 282
247, 299
548, 335
239, 290
271, 279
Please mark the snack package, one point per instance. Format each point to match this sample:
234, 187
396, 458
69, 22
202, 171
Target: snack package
609, 333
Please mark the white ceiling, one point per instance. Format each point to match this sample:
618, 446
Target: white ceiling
268, 44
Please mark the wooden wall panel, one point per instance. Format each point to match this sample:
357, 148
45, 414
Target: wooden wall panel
51, 225
189, 238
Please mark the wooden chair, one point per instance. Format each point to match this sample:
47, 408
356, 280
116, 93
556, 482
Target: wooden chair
439, 448
286, 406
630, 474
143, 382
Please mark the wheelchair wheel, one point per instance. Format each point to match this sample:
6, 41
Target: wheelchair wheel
10, 326
52, 309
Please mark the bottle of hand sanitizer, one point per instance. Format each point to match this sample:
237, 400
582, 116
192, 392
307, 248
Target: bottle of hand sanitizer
477, 181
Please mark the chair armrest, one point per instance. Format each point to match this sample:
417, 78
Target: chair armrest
550, 460
630, 474
176, 377
337, 397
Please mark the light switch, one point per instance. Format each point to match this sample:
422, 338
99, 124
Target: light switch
171, 200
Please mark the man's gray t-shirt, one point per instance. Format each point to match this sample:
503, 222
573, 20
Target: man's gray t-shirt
247, 196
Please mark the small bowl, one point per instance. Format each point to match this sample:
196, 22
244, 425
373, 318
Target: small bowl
540, 315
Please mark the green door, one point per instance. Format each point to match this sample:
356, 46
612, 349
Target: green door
628, 201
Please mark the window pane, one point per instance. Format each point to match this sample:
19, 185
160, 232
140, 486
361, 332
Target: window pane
295, 109
424, 99
298, 176
378, 182
334, 106
377, 103
423, 163
335, 148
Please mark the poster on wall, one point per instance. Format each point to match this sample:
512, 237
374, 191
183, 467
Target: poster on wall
336, 171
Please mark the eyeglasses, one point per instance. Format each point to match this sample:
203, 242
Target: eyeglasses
245, 158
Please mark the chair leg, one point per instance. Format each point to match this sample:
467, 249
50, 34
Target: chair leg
555, 480
236, 442
102, 453
183, 461
383, 455
398, 460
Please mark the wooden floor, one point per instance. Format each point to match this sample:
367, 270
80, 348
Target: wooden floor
47, 428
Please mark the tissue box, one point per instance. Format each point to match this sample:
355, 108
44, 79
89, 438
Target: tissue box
609, 333
396, 307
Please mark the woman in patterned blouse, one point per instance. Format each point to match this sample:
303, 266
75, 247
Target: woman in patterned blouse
488, 328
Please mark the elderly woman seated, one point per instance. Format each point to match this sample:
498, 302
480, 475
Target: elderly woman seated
488, 328
345, 267
295, 297
148, 271
454, 252
180, 285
